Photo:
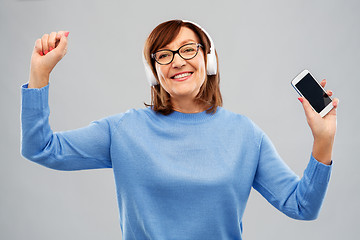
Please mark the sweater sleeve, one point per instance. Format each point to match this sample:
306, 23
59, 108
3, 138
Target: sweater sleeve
84, 148
295, 197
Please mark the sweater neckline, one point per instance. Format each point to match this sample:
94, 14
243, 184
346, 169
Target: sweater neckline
188, 117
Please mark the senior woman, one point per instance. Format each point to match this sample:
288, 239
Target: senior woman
183, 165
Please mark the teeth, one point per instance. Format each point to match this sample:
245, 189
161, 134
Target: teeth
182, 75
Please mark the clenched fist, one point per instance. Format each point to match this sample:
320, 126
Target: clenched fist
48, 51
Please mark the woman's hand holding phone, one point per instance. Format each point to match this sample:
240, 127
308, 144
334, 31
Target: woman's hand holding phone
323, 128
48, 51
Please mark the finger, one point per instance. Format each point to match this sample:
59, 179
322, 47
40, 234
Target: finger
62, 46
309, 111
44, 42
58, 37
335, 103
51, 42
329, 92
38, 47
323, 83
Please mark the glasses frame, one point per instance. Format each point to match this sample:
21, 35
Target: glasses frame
198, 45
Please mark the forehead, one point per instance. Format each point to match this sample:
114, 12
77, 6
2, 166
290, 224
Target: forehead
185, 35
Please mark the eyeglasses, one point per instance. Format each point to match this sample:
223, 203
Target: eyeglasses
166, 56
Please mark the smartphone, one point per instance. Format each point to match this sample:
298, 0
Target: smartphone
306, 85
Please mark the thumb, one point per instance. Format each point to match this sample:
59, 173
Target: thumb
62, 42
309, 111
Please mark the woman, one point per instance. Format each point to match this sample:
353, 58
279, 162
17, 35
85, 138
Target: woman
184, 166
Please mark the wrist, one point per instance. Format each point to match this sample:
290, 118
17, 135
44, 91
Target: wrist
38, 80
322, 150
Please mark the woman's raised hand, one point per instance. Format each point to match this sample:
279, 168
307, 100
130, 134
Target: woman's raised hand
323, 128
48, 51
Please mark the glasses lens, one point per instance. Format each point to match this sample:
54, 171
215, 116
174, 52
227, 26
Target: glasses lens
188, 51
163, 57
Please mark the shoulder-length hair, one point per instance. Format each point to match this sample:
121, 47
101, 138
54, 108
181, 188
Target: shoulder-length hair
209, 93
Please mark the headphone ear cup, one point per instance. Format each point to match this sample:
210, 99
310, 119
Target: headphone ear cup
149, 74
211, 64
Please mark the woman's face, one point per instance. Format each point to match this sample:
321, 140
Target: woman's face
192, 72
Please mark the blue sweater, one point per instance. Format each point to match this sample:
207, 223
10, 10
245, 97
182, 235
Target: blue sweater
181, 176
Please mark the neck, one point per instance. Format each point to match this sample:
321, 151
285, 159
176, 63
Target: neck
188, 106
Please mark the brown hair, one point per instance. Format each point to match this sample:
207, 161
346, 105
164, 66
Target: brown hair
209, 93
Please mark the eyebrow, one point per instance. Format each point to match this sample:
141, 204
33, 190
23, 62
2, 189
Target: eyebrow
181, 44
187, 40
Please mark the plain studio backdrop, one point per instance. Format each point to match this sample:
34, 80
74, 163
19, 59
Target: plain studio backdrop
262, 45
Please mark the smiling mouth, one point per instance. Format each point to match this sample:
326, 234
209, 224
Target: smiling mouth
182, 75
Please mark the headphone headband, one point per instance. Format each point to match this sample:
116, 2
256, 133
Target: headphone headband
211, 59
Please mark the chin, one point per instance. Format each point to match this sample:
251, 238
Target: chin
185, 92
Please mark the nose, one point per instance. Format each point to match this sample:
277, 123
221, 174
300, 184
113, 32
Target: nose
178, 61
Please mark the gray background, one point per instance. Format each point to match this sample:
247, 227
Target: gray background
262, 45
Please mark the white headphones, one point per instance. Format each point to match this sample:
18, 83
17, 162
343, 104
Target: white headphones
211, 60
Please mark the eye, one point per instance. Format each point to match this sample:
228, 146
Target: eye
161, 55
164, 55
188, 49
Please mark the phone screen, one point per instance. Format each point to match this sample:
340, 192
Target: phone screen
313, 93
